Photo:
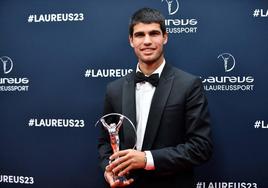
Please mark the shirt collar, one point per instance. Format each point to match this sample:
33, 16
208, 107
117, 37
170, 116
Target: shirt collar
159, 70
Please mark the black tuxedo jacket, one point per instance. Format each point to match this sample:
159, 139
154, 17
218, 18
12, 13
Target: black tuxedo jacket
177, 132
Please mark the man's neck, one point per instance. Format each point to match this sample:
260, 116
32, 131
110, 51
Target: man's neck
149, 68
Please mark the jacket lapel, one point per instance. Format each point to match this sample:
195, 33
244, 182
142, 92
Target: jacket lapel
129, 110
157, 106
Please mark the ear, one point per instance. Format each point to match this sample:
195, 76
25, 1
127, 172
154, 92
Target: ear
130, 41
165, 38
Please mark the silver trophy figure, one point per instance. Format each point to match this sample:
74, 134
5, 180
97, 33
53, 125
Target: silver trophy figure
113, 130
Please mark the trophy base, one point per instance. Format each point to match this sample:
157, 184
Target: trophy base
120, 178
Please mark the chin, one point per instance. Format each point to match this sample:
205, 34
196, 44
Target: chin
148, 60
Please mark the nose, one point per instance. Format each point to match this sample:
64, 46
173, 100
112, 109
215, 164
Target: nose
147, 40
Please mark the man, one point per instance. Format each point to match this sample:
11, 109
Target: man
170, 114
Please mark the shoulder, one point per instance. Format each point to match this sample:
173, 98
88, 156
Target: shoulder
117, 84
183, 76
188, 84
183, 82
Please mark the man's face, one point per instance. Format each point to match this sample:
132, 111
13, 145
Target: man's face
147, 41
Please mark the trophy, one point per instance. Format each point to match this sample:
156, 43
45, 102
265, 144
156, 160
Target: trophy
112, 123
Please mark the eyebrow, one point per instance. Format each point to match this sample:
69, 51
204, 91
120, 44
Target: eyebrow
150, 32
155, 32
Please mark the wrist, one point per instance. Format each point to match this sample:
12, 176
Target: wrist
149, 161
145, 159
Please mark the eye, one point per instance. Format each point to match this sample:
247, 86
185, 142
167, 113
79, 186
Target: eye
139, 34
155, 33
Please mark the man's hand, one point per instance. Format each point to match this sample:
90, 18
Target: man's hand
109, 177
126, 160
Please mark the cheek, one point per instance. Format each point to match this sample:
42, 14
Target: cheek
136, 50
136, 44
136, 47
160, 43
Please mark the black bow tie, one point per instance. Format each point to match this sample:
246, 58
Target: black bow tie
152, 79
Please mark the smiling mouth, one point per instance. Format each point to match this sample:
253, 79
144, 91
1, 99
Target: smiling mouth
143, 49
147, 50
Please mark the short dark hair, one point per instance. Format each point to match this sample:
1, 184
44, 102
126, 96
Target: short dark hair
147, 16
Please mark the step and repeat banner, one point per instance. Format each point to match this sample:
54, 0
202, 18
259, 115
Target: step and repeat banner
56, 58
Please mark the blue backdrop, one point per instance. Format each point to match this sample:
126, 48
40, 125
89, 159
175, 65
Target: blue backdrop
56, 58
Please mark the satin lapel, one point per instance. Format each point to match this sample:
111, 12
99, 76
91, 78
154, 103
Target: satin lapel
129, 110
157, 106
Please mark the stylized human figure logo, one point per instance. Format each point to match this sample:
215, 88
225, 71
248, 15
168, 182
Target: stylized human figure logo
113, 130
171, 9
7, 64
227, 59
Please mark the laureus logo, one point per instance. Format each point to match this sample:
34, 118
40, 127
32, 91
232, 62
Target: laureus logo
228, 61
7, 64
173, 7
11, 83
178, 25
228, 82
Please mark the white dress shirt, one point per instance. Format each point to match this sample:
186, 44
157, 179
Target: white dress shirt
144, 95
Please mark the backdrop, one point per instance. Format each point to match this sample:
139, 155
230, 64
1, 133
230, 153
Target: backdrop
56, 58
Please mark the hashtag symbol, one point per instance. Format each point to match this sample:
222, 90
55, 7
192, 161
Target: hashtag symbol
31, 122
88, 73
256, 13
30, 18
257, 124
199, 185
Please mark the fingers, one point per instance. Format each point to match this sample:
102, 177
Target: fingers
125, 171
109, 177
113, 182
119, 154
121, 167
108, 168
126, 160
118, 183
120, 162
